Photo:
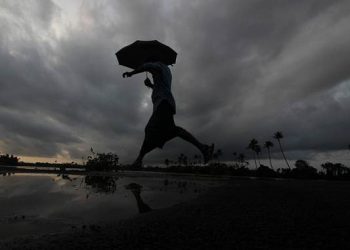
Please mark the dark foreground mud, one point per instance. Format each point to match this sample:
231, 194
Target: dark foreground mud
247, 214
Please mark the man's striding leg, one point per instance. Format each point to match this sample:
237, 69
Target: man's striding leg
206, 150
147, 146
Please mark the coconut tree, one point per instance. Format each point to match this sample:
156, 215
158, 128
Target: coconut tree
235, 159
268, 145
241, 160
257, 150
195, 158
252, 146
278, 136
215, 156
181, 159
219, 154
185, 160
199, 158
167, 162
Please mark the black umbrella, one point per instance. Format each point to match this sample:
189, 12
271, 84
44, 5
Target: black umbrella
137, 53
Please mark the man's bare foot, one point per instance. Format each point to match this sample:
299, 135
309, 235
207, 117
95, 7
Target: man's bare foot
207, 152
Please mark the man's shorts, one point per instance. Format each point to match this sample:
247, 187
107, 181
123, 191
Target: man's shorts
161, 126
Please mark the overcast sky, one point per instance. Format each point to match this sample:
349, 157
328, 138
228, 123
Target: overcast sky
245, 69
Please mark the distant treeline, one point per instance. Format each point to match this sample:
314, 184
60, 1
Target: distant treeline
238, 167
301, 170
95, 162
9, 160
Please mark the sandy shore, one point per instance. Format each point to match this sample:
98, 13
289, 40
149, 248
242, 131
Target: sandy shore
247, 214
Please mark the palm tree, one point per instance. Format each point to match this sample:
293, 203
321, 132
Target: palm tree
219, 154
199, 157
278, 136
167, 162
235, 159
215, 156
252, 145
268, 145
185, 160
241, 160
180, 159
257, 150
195, 157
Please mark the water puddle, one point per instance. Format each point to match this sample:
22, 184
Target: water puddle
48, 203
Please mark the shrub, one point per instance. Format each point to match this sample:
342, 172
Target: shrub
102, 161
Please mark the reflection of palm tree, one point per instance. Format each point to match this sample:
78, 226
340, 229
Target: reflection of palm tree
136, 191
268, 145
278, 136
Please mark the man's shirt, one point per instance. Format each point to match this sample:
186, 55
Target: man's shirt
161, 84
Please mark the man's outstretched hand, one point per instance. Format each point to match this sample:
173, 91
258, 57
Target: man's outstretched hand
148, 83
127, 74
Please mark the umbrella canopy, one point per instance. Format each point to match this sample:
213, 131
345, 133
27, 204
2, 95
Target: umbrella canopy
137, 53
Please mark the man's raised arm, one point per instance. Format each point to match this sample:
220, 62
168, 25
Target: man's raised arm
150, 67
136, 71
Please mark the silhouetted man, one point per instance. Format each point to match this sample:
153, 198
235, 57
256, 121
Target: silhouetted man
161, 126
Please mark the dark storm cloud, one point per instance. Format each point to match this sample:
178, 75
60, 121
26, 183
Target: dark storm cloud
251, 61
244, 69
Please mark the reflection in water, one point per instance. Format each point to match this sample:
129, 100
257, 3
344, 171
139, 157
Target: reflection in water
6, 173
101, 184
61, 201
136, 191
65, 177
108, 184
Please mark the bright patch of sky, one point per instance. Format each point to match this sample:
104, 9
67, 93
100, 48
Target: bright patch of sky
70, 12
342, 91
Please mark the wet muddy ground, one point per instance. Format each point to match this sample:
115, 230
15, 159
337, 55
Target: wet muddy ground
245, 214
